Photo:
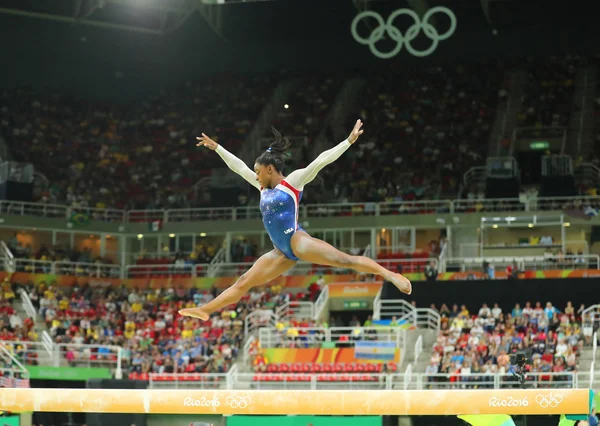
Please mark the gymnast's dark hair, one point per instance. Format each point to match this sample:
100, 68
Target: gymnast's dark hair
275, 154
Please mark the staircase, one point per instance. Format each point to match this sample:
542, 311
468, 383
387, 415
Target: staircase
421, 349
342, 106
580, 134
506, 114
251, 148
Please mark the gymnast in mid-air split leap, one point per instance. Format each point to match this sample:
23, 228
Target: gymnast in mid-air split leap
279, 199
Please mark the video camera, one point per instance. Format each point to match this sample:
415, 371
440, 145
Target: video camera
521, 358
519, 361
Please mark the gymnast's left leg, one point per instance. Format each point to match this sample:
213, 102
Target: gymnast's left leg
317, 251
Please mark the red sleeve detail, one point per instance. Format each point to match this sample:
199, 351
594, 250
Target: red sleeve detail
291, 188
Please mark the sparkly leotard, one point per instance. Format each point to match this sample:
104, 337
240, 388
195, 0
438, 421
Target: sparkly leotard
279, 208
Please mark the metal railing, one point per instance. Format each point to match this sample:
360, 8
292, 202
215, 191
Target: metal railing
524, 263
76, 355
594, 353
300, 310
19, 208
405, 313
27, 305
364, 381
418, 348
167, 270
271, 337
83, 269
29, 352
8, 358
322, 303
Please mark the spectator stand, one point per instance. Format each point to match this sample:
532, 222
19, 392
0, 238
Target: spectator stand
472, 350
518, 265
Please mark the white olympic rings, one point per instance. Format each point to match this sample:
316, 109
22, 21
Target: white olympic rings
238, 401
396, 35
546, 401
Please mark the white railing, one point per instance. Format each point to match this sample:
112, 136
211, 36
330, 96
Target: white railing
96, 270
301, 310
321, 304
48, 343
406, 380
8, 358
167, 270
306, 211
219, 258
29, 352
247, 350
20, 208
89, 356
593, 364
404, 313
418, 348
408, 374
27, 305
6, 258
271, 337
257, 319
524, 263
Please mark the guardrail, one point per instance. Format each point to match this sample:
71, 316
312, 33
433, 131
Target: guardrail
81, 269
594, 353
524, 263
167, 270
27, 305
321, 304
418, 348
405, 313
271, 337
305, 211
406, 380
76, 355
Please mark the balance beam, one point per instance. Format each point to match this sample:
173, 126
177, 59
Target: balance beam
309, 402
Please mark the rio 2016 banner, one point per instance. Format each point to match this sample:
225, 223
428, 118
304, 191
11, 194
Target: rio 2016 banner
282, 402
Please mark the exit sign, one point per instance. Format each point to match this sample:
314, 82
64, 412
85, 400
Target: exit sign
355, 304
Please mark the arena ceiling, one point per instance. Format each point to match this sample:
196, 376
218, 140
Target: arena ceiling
165, 16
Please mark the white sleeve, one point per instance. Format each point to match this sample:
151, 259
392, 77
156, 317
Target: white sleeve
299, 178
238, 166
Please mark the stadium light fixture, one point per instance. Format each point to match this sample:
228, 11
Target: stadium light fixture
140, 236
494, 226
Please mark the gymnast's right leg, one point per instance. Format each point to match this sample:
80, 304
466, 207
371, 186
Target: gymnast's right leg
268, 267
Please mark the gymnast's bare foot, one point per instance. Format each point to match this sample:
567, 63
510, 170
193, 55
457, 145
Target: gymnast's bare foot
401, 282
194, 313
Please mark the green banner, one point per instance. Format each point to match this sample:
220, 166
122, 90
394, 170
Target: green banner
67, 373
356, 304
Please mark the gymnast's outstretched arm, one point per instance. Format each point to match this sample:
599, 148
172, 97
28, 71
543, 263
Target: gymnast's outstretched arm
234, 163
299, 178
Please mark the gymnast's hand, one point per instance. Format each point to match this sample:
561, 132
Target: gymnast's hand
356, 132
207, 142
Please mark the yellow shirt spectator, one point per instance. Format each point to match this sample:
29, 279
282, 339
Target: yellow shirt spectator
63, 305
136, 307
9, 295
292, 332
129, 325
187, 334
129, 334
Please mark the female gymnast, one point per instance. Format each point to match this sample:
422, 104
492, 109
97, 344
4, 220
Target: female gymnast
279, 199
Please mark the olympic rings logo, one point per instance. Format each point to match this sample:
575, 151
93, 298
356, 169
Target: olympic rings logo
551, 400
238, 401
396, 35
